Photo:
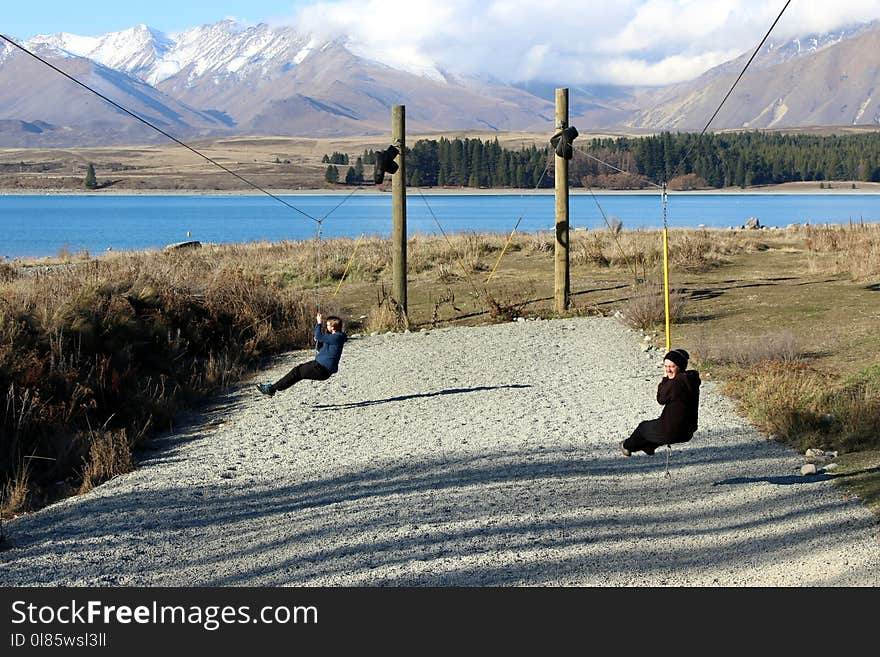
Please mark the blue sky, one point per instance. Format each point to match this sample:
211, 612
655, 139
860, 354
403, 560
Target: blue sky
94, 17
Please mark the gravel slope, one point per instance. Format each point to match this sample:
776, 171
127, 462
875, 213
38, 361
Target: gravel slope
468, 456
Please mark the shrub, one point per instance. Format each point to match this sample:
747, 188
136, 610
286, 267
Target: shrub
386, 315
646, 308
590, 251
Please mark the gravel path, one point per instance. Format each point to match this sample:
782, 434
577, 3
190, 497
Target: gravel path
467, 456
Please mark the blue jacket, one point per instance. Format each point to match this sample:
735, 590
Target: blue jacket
329, 348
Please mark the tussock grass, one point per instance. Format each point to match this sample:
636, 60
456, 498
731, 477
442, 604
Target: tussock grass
14, 495
386, 315
783, 346
122, 342
646, 308
807, 407
855, 247
109, 455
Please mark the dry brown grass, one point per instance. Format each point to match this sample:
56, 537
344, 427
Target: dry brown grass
809, 408
123, 341
646, 307
109, 455
14, 495
856, 248
386, 315
783, 346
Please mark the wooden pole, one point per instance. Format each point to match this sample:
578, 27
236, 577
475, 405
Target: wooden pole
562, 277
398, 206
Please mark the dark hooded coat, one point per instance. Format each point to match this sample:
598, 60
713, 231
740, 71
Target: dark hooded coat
680, 398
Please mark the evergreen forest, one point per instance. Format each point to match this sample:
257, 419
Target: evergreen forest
684, 160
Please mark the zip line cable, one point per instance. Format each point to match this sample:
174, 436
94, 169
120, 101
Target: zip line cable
523, 214
619, 170
614, 235
156, 128
342, 202
449, 243
730, 91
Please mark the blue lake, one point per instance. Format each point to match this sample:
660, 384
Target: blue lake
42, 225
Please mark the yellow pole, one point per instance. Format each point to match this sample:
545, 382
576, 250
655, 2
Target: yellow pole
350, 260
666, 287
666, 272
503, 251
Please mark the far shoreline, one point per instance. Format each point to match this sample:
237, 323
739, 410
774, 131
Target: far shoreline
865, 189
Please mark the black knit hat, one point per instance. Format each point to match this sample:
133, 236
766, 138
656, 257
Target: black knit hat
679, 357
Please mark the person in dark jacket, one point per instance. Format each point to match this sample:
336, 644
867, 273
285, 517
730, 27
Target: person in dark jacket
326, 362
679, 393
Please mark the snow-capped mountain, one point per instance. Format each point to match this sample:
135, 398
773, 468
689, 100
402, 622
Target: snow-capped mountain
227, 78
227, 49
774, 53
274, 79
819, 80
137, 51
219, 51
5, 51
40, 107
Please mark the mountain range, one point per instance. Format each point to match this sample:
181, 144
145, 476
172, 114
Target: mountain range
225, 78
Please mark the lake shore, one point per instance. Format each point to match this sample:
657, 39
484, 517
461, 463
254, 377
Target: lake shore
845, 189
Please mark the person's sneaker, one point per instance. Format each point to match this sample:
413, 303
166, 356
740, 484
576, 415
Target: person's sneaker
266, 389
624, 450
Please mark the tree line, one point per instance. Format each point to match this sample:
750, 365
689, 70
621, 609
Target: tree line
456, 163
685, 160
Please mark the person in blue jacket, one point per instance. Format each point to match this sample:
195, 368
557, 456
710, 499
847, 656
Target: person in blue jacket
326, 362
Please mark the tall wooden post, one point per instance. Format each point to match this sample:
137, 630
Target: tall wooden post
562, 287
398, 206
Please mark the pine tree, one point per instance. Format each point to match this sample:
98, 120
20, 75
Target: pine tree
91, 182
350, 176
332, 174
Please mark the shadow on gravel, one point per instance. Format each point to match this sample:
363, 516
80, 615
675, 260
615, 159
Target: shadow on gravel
796, 479
527, 516
450, 391
788, 480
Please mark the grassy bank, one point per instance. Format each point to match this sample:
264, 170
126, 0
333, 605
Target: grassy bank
97, 354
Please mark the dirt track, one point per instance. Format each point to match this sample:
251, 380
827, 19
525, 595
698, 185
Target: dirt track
468, 456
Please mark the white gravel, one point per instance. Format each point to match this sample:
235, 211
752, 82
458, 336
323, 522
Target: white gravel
468, 456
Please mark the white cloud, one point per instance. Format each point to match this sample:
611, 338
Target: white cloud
576, 41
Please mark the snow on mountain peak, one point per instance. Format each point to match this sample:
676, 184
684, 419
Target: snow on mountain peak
218, 50
229, 48
134, 50
5, 50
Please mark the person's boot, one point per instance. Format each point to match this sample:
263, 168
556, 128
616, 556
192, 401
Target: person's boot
266, 389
